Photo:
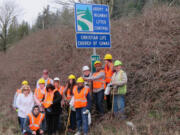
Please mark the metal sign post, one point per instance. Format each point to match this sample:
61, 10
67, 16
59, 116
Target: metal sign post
94, 51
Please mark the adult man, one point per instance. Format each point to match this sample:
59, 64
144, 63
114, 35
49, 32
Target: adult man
45, 76
35, 122
108, 73
82, 104
99, 84
119, 81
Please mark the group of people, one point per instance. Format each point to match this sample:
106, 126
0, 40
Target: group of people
39, 112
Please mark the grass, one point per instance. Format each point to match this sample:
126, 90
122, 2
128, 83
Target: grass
147, 44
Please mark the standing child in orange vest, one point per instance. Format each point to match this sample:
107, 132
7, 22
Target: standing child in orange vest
82, 104
108, 73
67, 95
40, 93
35, 122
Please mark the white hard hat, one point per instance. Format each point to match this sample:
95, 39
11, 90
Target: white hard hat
56, 79
85, 68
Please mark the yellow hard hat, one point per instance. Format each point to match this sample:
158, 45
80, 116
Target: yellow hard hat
41, 81
71, 77
80, 80
97, 62
24, 82
108, 57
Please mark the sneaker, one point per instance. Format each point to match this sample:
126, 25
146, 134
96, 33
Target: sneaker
71, 130
78, 133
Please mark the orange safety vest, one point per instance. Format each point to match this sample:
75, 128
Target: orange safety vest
61, 90
69, 94
19, 91
99, 83
35, 122
39, 94
49, 81
108, 72
80, 99
48, 100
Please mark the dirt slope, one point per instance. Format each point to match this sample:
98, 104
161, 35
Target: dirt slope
148, 45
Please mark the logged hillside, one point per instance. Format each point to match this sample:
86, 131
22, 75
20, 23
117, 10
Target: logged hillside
149, 47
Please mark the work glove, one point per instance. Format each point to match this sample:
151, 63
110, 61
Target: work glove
109, 85
86, 112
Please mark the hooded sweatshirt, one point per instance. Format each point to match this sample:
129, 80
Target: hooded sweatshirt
27, 123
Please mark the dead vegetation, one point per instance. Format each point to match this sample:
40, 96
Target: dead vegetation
148, 45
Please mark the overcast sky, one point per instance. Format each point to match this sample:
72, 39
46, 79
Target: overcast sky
29, 9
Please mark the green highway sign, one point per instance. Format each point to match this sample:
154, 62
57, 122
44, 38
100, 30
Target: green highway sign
94, 58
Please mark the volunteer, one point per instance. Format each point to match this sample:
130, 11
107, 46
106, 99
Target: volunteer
24, 103
67, 95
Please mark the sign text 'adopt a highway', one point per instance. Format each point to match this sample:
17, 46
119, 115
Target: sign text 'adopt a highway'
92, 26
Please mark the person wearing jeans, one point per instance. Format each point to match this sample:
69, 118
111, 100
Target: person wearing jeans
82, 104
98, 98
119, 103
118, 82
24, 103
99, 84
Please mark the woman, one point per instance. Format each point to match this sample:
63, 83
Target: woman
52, 105
24, 103
108, 73
67, 95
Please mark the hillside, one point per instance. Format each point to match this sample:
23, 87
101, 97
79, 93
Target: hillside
149, 47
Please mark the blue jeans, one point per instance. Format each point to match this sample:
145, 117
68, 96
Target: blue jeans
21, 120
99, 98
82, 119
119, 103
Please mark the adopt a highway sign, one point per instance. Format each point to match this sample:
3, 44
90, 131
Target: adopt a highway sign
84, 40
92, 26
92, 18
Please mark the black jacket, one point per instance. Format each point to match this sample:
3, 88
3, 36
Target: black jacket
56, 106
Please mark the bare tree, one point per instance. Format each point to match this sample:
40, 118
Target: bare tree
110, 3
70, 3
7, 13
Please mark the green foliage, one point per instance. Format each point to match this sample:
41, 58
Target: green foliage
17, 31
48, 19
66, 17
